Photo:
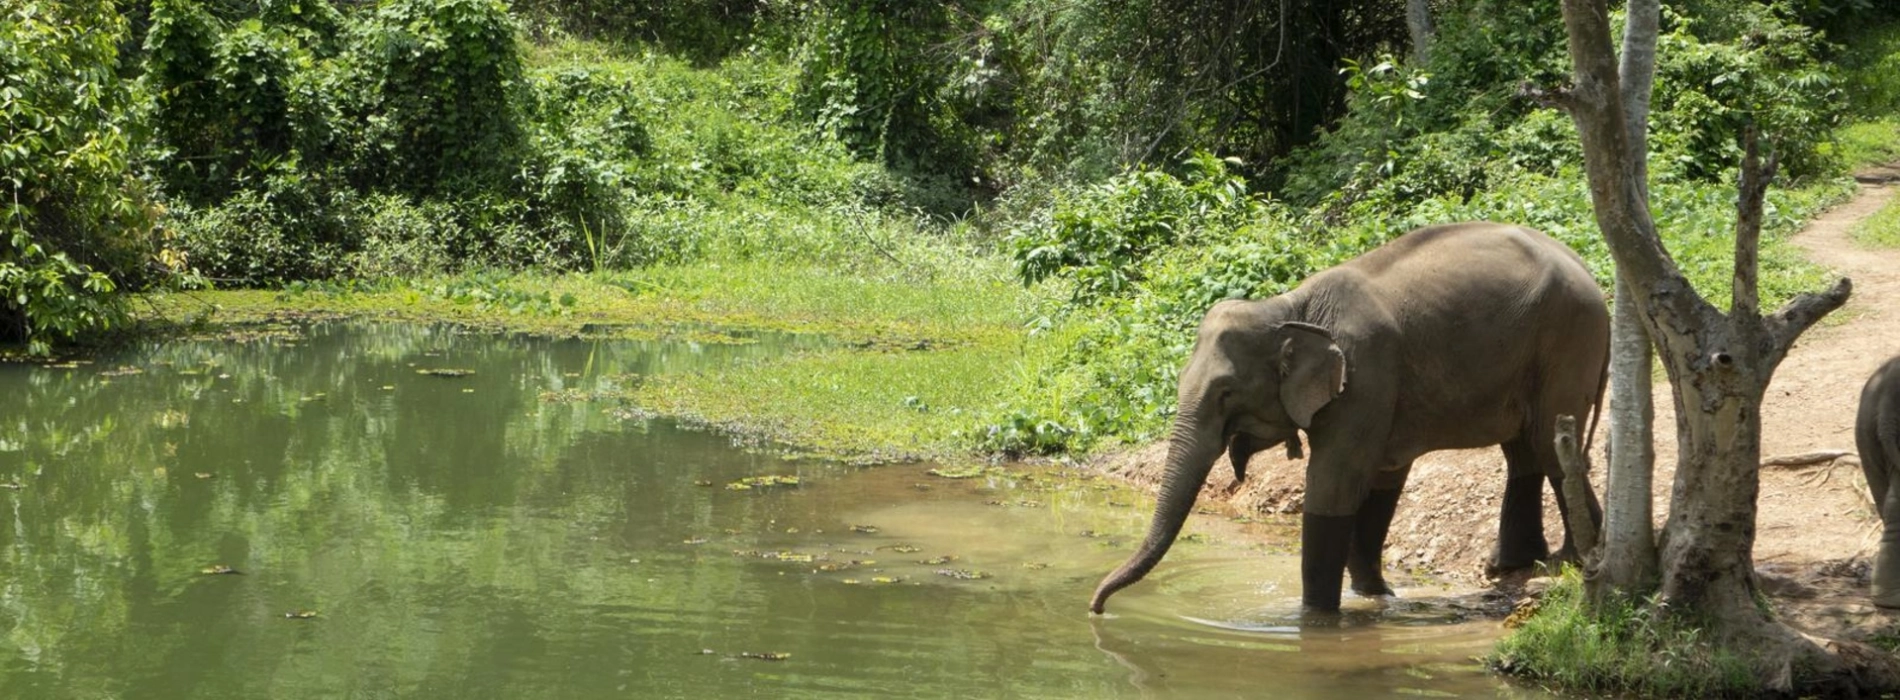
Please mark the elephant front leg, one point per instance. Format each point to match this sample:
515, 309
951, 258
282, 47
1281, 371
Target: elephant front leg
1324, 543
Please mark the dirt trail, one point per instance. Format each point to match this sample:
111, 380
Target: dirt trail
1817, 528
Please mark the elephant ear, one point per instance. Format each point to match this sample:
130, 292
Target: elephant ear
1312, 371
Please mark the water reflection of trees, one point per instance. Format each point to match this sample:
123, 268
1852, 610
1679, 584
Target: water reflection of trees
340, 480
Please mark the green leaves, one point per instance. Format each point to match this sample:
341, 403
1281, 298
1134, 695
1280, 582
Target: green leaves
1098, 236
75, 225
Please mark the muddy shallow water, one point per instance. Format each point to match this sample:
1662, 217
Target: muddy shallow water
519, 532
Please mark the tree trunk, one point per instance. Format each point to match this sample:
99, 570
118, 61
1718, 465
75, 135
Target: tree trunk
1629, 550
1719, 364
1629, 531
1418, 23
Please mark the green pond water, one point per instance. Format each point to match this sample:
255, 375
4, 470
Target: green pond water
521, 532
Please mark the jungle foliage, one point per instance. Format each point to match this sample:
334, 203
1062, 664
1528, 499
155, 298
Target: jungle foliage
75, 220
1129, 162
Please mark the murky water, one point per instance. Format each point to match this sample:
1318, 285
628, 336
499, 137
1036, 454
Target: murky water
516, 533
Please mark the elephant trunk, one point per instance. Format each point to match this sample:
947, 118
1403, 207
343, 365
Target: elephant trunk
1192, 449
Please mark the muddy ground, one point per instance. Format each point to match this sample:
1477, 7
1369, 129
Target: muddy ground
1817, 525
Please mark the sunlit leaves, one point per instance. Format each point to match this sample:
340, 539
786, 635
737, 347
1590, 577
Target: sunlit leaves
74, 223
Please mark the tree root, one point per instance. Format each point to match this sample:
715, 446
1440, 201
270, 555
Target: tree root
1805, 459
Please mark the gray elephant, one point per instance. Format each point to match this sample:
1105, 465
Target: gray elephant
1877, 437
1453, 336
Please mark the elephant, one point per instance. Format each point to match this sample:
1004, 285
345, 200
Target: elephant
1450, 336
1877, 438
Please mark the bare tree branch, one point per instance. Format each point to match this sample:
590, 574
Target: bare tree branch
1622, 211
1745, 295
1418, 23
1630, 561
1801, 312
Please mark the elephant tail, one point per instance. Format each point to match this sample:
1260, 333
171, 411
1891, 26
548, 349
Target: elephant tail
1596, 408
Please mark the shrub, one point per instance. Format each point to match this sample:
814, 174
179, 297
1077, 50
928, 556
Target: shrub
1098, 235
221, 97
1767, 73
75, 224
441, 78
290, 226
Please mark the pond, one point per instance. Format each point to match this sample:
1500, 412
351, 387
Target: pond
513, 529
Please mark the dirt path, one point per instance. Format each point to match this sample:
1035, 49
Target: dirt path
1817, 528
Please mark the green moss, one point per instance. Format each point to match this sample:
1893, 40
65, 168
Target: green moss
1626, 648
1881, 230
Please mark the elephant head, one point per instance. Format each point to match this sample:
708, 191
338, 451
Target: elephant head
1250, 384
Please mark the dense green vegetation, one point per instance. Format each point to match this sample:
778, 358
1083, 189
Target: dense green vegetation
1009, 213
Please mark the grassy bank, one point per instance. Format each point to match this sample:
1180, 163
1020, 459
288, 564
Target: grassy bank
912, 367
1621, 650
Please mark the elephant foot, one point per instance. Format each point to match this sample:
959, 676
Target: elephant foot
1886, 577
1496, 566
1373, 589
1566, 556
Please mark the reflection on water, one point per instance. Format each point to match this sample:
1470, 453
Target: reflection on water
519, 533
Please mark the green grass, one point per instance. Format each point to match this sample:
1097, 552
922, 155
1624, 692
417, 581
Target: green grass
1882, 230
918, 360
1875, 142
1870, 63
1622, 650
881, 403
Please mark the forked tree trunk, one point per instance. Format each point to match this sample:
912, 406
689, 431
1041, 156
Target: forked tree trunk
1718, 363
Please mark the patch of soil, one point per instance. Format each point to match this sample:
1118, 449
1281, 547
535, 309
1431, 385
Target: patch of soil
1817, 528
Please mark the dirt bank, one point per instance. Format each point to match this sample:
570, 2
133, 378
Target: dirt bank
1817, 526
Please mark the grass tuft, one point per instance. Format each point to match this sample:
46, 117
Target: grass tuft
1623, 649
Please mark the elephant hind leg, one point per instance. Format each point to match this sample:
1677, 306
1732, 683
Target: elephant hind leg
1878, 439
1521, 542
1366, 562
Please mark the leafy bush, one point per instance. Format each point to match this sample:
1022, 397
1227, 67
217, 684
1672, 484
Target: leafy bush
227, 97
703, 31
1767, 74
1098, 236
291, 226
441, 79
75, 224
